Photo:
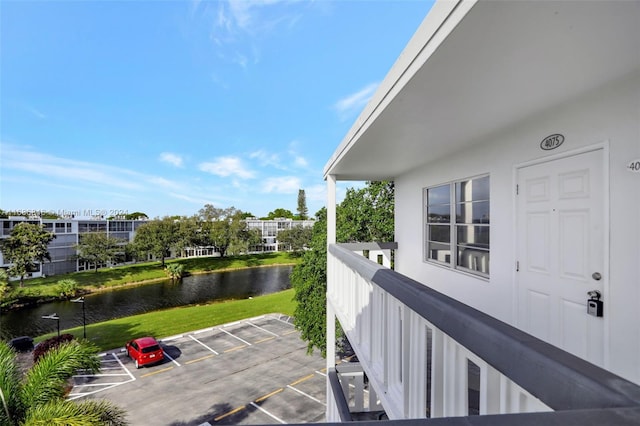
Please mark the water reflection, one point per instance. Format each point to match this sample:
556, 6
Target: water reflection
145, 298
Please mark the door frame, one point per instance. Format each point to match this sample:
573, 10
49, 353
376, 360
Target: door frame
604, 146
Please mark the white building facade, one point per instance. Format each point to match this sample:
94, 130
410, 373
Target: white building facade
512, 133
269, 228
63, 249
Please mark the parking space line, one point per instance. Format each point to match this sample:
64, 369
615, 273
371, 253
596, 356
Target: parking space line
199, 359
100, 375
260, 328
307, 395
266, 339
262, 398
198, 341
321, 373
99, 384
305, 378
122, 365
243, 341
268, 413
172, 360
289, 332
235, 349
229, 413
286, 322
153, 373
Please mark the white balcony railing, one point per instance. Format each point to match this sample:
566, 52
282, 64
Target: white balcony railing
427, 355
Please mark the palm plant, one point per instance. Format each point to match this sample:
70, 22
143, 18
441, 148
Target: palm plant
38, 396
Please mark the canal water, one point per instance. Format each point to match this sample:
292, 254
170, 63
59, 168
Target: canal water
191, 290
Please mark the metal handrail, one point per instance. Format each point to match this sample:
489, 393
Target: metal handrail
338, 396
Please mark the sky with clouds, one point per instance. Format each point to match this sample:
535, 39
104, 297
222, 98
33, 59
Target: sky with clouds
165, 106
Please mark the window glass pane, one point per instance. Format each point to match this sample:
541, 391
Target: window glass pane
473, 189
474, 259
473, 236
438, 195
440, 233
440, 252
477, 212
439, 213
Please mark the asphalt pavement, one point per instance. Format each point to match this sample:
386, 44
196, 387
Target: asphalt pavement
254, 371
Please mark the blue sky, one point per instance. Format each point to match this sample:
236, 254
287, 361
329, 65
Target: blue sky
165, 106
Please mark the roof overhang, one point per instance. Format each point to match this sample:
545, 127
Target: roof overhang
473, 68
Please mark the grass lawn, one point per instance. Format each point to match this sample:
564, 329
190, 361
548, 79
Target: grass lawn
113, 334
43, 288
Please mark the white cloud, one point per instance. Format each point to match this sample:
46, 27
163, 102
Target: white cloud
267, 159
316, 193
57, 169
298, 160
354, 103
238, 28
171, 158
227, 166
282, 185
194, 200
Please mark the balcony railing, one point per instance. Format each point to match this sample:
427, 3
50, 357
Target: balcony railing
428, 355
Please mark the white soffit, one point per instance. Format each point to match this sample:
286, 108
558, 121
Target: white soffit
474, 68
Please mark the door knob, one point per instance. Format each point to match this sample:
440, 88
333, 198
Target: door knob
596, 276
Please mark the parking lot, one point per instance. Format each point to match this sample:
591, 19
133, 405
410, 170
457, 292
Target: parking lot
254, 371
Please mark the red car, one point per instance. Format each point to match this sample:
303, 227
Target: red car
144, 350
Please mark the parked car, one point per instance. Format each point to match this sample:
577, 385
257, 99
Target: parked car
144, 351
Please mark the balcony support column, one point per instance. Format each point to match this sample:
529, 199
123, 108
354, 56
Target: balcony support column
331, 315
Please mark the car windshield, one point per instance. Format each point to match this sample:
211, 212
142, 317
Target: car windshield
150, 349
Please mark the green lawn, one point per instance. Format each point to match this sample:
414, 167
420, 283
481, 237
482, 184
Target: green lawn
46, 288
113, 334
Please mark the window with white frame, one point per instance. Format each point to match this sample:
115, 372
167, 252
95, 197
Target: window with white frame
457, 225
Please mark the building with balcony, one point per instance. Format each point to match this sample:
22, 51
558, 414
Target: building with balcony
512, 133
68, 231
269, 230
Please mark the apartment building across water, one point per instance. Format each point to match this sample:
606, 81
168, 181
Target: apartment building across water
68, 231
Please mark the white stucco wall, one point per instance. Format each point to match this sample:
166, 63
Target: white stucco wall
611, 114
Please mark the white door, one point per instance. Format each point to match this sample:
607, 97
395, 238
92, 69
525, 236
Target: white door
560, 252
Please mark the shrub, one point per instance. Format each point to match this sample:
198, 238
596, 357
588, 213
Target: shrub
67, 288
175, 271
46, 345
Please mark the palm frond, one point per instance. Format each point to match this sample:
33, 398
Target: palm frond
10, 404
46, 380
87, 413
109, 414
60, 413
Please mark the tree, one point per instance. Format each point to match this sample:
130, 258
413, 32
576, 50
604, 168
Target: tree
38, 397
226, 229
364, 215
295, 239
279, 213
188, 233
302, 205
5, 288
309, 280
136, 216
157, 238
98, 248
27, 244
